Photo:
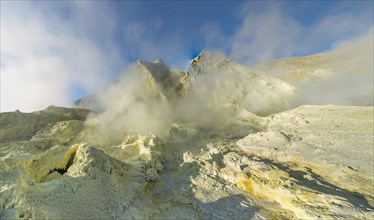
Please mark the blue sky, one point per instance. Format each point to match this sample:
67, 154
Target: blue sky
54, 52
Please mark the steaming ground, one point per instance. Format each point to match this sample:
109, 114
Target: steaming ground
217, 142
150, 97
343, 76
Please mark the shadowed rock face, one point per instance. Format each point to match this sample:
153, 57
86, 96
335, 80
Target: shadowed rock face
214, 159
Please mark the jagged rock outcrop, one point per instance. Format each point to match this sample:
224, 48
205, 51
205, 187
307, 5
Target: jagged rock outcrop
151, 97
211, 74
155, 80
227, 82
94, 185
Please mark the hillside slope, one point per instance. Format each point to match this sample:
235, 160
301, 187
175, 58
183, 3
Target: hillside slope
343, 76
217, 142
296, 164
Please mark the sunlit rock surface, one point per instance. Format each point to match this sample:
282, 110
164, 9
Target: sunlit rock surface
163, 144
311, 162
322, 158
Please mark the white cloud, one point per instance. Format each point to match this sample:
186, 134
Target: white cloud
50, 49
265, 35
33, 83
272, 32
68, 46
348, 78
44, 53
